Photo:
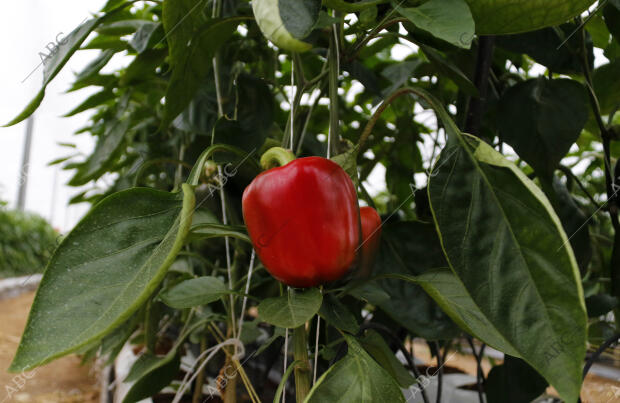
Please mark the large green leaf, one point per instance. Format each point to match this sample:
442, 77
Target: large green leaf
513, 16
541, 119
449, 20
507, 247
56, 61
103, 271
291, 310
355, 378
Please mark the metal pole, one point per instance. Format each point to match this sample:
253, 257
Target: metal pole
23, 173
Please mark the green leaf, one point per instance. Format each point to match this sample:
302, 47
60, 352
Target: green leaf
336, 314
374, 344
547, 47
181, 19
255, 107
449, 20
412, 248
112, 344
93, 101
507, 247
276, 17
103, 271
56, 61
370, 293
191, 64
348, 162
606, 83
146, 35
194, 292
122, 27
105, 151
600, 304
209, 230
151, 374
231, 132
299, 17
94, 67
446, 289
541, 119
611, 12
573, 219
449, 70
513, 382
355, 378
292, 310
513, 16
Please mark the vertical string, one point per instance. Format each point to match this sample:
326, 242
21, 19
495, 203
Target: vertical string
285, 363
292, 100
247, 290
228, 263
316, 347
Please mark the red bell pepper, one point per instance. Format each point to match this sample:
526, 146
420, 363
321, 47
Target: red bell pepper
371, 235
303, 219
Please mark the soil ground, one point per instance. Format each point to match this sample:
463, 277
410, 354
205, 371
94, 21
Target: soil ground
62, 381
66, 381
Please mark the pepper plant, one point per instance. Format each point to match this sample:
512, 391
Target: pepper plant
495, 125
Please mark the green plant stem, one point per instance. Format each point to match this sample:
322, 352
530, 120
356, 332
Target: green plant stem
302, 370
612, 197
200, 379
276, 156
375, 116
149, 336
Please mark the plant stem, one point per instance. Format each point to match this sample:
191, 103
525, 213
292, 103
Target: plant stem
200, 379
276, 156
439, 372
475, 110
479, 373
302, 370
334, 70
610, 181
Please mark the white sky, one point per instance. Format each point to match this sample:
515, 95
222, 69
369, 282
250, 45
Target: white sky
25, 29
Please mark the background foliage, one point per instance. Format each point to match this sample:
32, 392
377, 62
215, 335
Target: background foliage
26, 243
515, 237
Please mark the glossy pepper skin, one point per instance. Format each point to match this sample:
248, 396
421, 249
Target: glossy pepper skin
371, 235
303, 221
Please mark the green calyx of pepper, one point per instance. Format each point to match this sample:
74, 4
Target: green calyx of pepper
276, 156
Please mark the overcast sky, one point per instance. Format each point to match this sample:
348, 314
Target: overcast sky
26, 27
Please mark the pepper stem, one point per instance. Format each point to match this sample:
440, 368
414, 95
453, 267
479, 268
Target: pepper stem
276, 156
302, 371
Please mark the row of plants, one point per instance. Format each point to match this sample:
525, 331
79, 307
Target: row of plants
26, 242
